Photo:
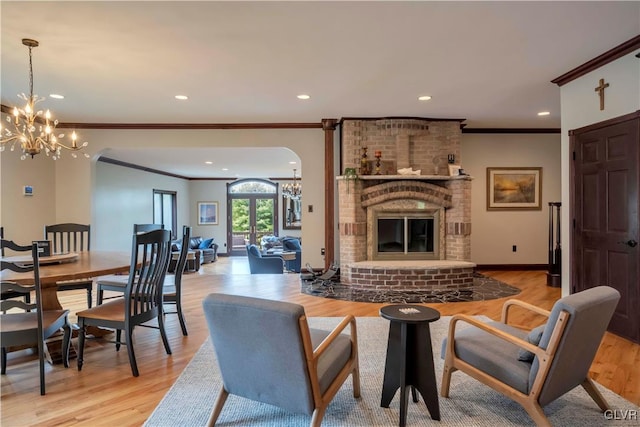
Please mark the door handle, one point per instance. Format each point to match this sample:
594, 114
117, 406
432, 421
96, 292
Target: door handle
631, 243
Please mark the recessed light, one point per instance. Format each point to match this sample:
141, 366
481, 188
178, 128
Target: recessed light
56, 96
424, 98
303, 96
293, 163
182, 97
209, 163
225, 169
544, 113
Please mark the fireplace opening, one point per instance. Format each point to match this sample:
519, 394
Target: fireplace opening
409, 236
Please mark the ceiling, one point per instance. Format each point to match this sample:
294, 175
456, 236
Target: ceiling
245, 62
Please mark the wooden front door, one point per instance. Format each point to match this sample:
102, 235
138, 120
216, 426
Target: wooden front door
605, 213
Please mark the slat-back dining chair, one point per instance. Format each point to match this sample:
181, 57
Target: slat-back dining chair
142, 300
32, 325
116, 282
26, 296
143, 228
71, 237
172, 289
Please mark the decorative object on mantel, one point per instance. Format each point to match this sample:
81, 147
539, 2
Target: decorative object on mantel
34, 137
378, 155
293, 190
454, 170
451, 158
409, 171
364, 163
350, 174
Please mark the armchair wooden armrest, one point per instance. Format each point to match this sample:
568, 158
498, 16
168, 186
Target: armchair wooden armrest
514, 302
493, 331
348, 320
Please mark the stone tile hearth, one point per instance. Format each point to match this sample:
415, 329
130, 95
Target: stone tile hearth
482, 289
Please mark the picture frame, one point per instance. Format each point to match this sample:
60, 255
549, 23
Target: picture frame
514, 188
207, 213
454, 170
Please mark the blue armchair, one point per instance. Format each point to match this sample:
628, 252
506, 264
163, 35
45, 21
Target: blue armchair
263, 265
293, 245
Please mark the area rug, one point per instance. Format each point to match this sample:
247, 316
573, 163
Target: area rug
190, 399
484, 288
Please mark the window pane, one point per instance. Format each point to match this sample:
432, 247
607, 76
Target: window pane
157, 208
252, 187
167, 212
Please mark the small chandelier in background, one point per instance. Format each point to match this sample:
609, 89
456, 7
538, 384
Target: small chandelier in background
34, 130
293, 190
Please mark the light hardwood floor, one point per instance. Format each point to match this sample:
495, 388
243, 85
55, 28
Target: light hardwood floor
106, 394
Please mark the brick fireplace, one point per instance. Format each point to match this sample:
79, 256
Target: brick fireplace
421, 144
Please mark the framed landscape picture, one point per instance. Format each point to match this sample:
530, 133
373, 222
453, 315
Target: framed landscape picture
207, 213
514, 188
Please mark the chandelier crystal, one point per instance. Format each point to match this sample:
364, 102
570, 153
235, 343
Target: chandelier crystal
34, 130
293, 190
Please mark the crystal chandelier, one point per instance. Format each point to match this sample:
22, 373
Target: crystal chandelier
293, 190
32, 130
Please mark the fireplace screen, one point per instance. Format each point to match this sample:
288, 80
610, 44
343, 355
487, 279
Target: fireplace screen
406, 236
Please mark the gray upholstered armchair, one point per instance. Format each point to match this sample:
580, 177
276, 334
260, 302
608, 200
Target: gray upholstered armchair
534, 369
267, 352
263, 265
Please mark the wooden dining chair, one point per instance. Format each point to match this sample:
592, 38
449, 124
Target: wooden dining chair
171, 290
143, 228
29, 324
71, 237
117, 282
142, 300
7, 294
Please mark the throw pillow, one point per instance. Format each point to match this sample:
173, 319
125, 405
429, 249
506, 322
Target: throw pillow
533, 338
205, 244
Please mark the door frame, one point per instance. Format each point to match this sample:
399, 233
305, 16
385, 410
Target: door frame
252, 200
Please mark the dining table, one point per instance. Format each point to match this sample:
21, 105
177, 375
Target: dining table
72, 266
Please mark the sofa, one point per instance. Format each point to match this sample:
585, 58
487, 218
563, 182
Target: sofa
204, 250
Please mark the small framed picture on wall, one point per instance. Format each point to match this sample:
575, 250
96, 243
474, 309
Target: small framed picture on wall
207, 213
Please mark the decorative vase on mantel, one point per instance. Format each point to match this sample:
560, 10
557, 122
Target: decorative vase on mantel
364, 163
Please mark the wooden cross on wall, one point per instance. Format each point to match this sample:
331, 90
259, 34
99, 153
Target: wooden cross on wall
600, 89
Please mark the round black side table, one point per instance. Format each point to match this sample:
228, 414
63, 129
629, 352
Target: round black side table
410, 357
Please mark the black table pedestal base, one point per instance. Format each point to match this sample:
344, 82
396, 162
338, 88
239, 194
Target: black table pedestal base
410, 364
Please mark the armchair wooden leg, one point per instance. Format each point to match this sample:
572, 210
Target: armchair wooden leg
446, 379
536, 413
355, 376
316, 418
597, 397
217, 407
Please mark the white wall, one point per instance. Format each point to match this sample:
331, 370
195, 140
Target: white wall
24, 217
493, 233
123, 196
581, 107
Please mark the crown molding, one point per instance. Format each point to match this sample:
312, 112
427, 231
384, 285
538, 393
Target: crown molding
597, 62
